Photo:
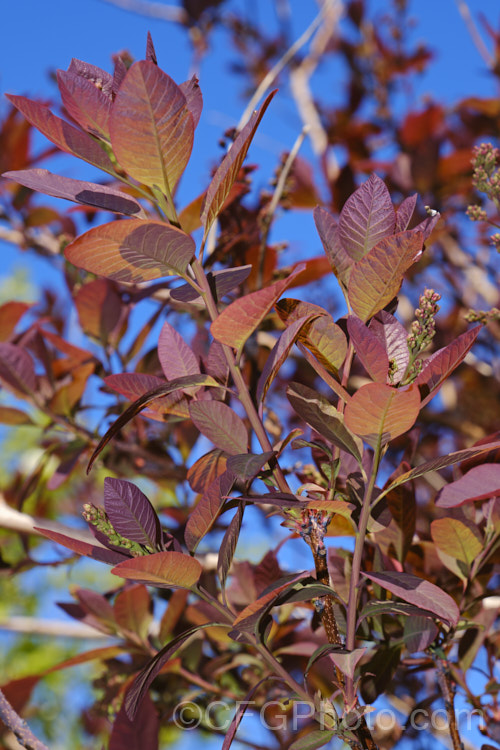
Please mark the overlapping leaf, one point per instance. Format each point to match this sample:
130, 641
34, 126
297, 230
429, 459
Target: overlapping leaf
458, 543
441, 364
206, 511
340, 261
87, 104
377, 277
17, 368
479, 483
151, 127
64, 136
326, 340
228, 545
221, 283
366, 218
163, 569
379, 413
220, 424
223, 179
132, 251
393, 337
131, 513
240, 319
405, 212
84, 548
419, 592
78, 191
194, 99
369, 349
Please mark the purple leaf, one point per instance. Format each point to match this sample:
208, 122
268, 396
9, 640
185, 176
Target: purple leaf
17, 368
367, 217
220, 424
101, 79
393, 337
427, 225
479, 483
419, 633
119, 74
228, 545
226, 174
150, 50
206, 511
441, 364
84, 548
131, 513
230, 732
221, 283
139, 734
216, 362
369, 349
278, 355
340, 261
194, 99
404, 213
177, 359
85, 103
78, 191
64, 136
141, 683
420, 592
247, 465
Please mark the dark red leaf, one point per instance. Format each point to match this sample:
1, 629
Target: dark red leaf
228, 545
133, 610
223, 179
17, 368
78, 191
367, 217
141, 733
220, 424
328, 231
64, 136
194, 99
131, 513
221, 283
206, 511
85, 103
10, 315
84, 548
150, 49
99, 308
405, 212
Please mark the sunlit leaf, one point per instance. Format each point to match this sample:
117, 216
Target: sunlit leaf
241, 318
132, 610
78, 191
379, 413
419, 592
12, 416
151, 127
10, 315
459, 540
405, 212
377, 277
132, 251
223, 179
87, 104
441, 364
177, 359
479, 483
393, 337
220, 424
326, 340
194, 99
163, 569
207, 468
64, 136
84, 548
369, 349
99, 308
367, 217
340, 261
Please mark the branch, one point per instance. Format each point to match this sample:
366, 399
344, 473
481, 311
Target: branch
57, 628
152, 10
21, 730
476, 37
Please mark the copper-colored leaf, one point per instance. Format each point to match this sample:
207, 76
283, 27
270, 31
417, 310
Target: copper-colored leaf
151, 127
132, 251
379, 413
99, 308
163, 569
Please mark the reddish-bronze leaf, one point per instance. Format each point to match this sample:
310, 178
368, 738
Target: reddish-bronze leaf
10, 315
240, 319
326, 340
205, 513
379, 413
132, 251
85, 103
194, 99
207, 468
228, 545
340, 261
99, 308
176, 357
369, 349
151, 127
141, 733
405, 212
17, 368
220, 424
84, 548
64, 136
223, 179
133, 610
393, 337
377, 277
163, 569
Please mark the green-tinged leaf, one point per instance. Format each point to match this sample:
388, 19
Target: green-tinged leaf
220, 424
312, 740
12, 416
134, 409
375, 609
132, 251
376, 279
246, 466
206, 511
151, 127
419, 592
162, 569
64, 136
458, 543
223, 179
379, 413
346, 661
327, 341
241, 318
324, 418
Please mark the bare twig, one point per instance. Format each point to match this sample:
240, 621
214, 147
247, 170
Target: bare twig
149, 9
476, 37
56, 628
21, 730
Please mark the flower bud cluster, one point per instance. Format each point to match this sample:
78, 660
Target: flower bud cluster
424, 327
99, 518
483, 316
486, 179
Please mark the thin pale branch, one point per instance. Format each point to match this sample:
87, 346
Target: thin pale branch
149, 9
476, 37
54, 628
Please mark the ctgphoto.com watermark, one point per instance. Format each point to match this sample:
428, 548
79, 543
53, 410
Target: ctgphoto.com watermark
217, 715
